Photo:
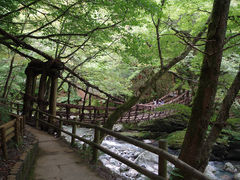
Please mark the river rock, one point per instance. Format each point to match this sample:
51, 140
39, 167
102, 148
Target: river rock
236, 176
147, 141
169, 124
209, 172
146, 157
132, 173
117, 127
229, 167
113, 168
124, 167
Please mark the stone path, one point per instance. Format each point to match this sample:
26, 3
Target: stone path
56, 161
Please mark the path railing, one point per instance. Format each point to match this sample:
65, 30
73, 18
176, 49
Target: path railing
163, 155
12, 129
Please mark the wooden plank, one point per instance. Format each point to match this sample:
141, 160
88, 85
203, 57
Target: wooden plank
8, 124
4, 143
10, 136
10, 130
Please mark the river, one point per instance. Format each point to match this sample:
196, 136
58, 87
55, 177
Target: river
216, 170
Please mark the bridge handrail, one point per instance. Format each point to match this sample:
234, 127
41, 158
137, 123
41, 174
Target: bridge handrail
164, 154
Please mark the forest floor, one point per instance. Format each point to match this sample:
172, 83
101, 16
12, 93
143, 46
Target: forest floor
56, 160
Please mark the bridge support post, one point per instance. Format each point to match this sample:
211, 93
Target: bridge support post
60, 127
53, 99
96, 141
162, 163
37, 118
41, 92
74, 127
30, 85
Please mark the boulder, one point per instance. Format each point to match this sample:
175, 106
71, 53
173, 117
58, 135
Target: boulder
117, 127
229, 167
169, 124
209, 172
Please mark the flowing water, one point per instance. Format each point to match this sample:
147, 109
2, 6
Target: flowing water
146, 159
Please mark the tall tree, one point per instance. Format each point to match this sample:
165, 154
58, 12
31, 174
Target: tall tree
202, 109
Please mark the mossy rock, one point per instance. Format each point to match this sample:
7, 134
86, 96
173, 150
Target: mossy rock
139, 135
175, 139
170, 124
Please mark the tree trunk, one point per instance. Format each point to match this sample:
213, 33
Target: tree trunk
8, 78
204, 100
135, 98
222, 117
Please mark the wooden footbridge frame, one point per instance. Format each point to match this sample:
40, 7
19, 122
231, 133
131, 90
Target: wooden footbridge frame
49, 73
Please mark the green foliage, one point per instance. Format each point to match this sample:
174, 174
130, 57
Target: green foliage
4, 114
175, 139
233, 121
233, 134
179, 108
235, 109
73, 99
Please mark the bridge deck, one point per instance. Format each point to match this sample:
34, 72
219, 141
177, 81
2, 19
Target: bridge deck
57, 161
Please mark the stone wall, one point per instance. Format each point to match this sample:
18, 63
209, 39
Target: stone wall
22, 169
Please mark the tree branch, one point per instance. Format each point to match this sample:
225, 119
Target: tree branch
24, 45
135, 98
17, 10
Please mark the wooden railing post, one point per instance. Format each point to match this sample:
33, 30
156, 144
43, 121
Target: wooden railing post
37, 119
143, 112
60, 128
94, 113
67, 112
149, 113
22, 125
136, 113
162, 163
106, 111
4, 143
94, 149
17, 130
74, 127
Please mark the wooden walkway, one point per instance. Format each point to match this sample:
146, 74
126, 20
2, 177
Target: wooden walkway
56, 161
139, 112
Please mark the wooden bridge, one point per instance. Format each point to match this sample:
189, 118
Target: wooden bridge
139, 112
